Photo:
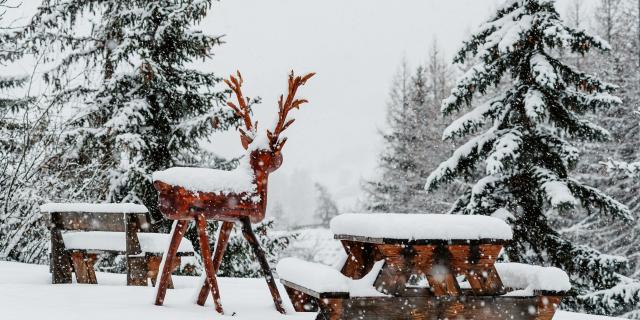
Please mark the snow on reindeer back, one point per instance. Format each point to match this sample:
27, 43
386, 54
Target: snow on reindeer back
237, 181
421, 226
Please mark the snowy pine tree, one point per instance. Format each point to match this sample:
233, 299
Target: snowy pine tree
326, 207
412, 144
126, 77
523, 139
618, 66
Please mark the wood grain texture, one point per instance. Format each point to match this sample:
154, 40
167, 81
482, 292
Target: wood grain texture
201, 224
176, 237
178, 203
433, 308
221, 246
248, 234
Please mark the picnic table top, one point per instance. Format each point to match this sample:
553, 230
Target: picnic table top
419, 228
93, 207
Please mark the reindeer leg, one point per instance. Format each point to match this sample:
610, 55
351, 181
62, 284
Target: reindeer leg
221, 246
248, 234
208, 264
165, 275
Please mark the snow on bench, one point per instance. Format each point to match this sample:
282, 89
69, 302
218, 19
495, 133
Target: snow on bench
530, 278
421, 226
323, 281
239, 180
94, 207
116, 241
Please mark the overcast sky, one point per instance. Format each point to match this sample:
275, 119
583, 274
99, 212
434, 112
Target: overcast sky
355, 46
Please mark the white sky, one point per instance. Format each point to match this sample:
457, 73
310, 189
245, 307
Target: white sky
355, 47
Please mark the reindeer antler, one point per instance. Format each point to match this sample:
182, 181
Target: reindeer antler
242, 110
284, 106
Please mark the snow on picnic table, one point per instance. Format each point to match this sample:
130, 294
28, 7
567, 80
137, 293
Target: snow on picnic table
421, 226
26, 293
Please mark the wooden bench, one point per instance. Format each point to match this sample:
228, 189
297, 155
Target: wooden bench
81, 231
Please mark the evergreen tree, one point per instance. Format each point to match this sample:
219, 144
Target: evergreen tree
412, 145
21, 160
326, 207
138, 105
619, 66
523, 141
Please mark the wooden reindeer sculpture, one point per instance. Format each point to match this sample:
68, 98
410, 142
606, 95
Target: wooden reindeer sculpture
236, 196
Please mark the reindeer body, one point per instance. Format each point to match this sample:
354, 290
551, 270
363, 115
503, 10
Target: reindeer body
179, 203
183, 200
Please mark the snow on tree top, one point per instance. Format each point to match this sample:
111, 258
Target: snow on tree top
421, 226
94, 207
531, 278
239, 180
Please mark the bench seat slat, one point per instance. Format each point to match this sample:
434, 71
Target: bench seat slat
116, 241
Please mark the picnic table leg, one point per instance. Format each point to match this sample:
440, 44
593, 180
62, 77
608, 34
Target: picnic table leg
221, 246
176, 237
441, 277
248, 234
206, 259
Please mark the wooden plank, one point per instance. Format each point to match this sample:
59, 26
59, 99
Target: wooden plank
401, 262
315, 294
248, 234
221, 246
417, 241
301, 301
360, 258
441, 277
438, 308
84, 221
137, 271
83, 268
59, 261
201, 224
131, 235
178, 233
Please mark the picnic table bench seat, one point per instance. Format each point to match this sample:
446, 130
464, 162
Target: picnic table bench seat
81, 231
312, 285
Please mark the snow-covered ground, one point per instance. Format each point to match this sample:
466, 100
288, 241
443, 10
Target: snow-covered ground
27, 294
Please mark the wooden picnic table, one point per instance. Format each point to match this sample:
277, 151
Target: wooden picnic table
442, 249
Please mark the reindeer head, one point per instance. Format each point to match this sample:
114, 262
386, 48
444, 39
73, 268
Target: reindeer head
265, 151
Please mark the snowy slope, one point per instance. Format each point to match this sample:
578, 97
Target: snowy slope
26, 294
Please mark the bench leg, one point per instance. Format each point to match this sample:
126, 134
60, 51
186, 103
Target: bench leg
176, 237
83, 267
221, 246
208, 264
248, 234
137, 270
153, 265
60, 261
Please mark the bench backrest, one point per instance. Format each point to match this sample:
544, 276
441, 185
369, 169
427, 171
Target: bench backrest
99, 221
130, 223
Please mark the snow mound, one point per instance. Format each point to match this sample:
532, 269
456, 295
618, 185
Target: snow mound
421, 226
116, 241
239, 180
322, 278
94, 207
531, 278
